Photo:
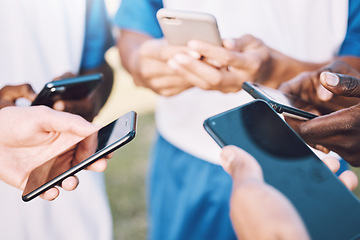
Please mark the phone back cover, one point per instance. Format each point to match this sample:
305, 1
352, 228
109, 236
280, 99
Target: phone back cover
328, 208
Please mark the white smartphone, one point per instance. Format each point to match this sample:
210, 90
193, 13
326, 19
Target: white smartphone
179, 26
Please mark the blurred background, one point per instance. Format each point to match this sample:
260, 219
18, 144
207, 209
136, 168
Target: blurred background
127, 170
126, 173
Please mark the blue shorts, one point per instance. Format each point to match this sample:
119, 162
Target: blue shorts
188, 197
343, 167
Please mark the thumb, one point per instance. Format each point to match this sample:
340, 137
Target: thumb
240, 165
242, 43
340, 84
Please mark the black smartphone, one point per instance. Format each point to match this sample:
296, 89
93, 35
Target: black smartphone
97, 145
75, 88
328, 209
281, 102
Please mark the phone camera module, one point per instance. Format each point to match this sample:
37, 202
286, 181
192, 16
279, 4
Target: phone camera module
171, 20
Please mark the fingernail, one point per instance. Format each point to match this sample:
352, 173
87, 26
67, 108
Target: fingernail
213, 62
324, 94
331, 79
172, 64
59, 105
192, 44
229, 43
181, 58
194, 54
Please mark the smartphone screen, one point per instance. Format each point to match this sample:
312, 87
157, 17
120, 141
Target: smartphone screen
75, 88
282, 103
80, 155
328, 209
179, 26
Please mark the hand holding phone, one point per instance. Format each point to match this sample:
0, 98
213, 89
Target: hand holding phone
279, 101
75, 88
328, 209
81, 155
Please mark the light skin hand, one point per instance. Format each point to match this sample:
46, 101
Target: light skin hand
25, 145
257, 210
146, 61
338, 131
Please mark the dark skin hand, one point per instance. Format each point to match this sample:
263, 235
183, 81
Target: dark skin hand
10, 93
307, 87
338, 131
89, 107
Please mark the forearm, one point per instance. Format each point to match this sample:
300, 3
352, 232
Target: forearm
129, 44
285, 68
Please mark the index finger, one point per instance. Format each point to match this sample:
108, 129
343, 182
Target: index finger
64, 122
224, 57
160, 49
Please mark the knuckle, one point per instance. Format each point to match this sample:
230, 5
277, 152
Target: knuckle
228, 59
217, 80
350, 86
305, 132
42, 109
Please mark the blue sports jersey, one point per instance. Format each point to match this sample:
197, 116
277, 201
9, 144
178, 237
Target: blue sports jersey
140, 18
98, 36
351, 43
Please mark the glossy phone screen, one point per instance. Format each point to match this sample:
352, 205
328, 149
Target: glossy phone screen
328, 209
80, 155
75, 88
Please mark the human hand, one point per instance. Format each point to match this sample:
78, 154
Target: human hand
226, 68
85, 107
307, 86
33, 136
150, 69
254, 203
10, 93
338, 131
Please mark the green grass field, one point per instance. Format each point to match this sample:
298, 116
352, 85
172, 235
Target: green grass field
125, 180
